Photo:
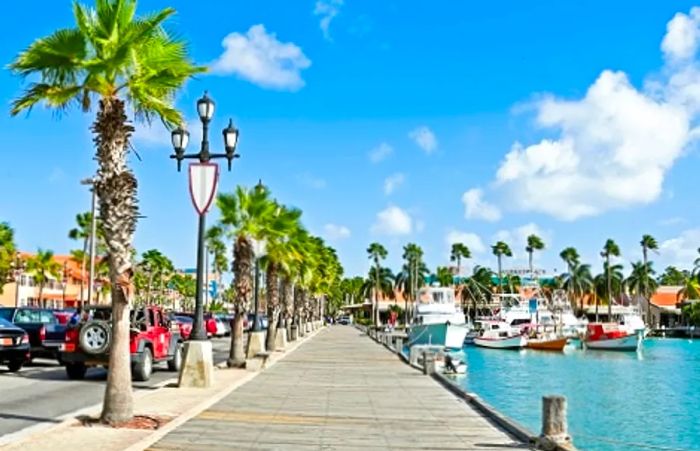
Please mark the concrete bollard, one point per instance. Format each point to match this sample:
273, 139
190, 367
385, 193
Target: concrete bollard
428, 363
413, 353
294, 332
398, 343
555, 430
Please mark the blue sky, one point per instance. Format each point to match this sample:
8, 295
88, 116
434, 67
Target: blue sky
405, 121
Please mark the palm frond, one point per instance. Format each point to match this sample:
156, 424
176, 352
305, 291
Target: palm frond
55, 96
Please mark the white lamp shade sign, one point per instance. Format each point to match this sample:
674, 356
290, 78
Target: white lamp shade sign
203, 180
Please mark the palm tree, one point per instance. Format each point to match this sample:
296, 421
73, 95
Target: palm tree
379, 281
444, 276
82, 232
217, 248
245, 216
641, 282
113, 57
571, 258
157, 267
458, 252
376, 253
578, 281
501, 249
534, 243
609, 249
412, 274
648, 243
8, 252
43, 267
282, 225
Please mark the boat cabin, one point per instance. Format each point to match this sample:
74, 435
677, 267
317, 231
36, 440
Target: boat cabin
604, 331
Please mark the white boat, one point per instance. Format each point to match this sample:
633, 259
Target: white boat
611, 337
631, 321
567, 323
437, 319
500, 335
524, 312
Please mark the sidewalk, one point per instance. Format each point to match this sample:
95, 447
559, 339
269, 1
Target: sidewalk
339, 391
180, 404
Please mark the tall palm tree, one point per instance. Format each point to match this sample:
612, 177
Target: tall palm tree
282, 225
457, 253
245, 216
412, 275
479, 287
571, 258
8, 252
578, 281
501, 249
43, 267
379, 281
648, 243
111, 57
641, 282
534, 243
158, 268
376, 253
610, 249
444, 276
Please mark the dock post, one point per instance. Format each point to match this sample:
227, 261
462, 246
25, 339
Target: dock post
555, 430
399, 345
428, 363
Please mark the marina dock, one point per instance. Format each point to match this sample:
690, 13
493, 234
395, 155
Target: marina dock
339, 390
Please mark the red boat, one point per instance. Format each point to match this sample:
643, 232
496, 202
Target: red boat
609, 337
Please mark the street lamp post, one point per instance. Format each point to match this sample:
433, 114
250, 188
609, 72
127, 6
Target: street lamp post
93, 230
258, 251
180, 138
17, 271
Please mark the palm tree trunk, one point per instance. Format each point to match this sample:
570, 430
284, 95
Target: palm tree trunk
376, 295
529, 257
610, 295
41, 294
116, 189
500, 279
646, 295
242, 267
273, 301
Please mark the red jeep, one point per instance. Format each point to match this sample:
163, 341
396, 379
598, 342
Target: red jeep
154, 339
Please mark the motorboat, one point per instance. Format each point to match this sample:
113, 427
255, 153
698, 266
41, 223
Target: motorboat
566, 322
437, 319
611, 337
500, 335
548, 342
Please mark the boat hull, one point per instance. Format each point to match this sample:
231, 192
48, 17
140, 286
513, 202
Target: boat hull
447, 335
628, 343
556, 344
516, 342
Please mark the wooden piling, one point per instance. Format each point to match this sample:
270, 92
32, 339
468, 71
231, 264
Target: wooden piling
555, 430
428, 363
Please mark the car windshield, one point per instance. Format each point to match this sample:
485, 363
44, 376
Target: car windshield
6, 324
6, 314
184, 319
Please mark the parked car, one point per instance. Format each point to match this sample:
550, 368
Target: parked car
14, 346
344, 320
210, 325
184, 323
153, 339
223, 323
262, 321
46, 335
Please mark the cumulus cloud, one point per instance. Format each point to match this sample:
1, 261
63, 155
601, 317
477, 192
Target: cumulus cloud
680, 251
336, 232
612, 148
257, 56
477, 208
392, 221
392, 182
424, 138
381, 152
327, 9
469, 239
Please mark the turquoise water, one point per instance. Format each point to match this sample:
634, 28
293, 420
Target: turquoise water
617, 401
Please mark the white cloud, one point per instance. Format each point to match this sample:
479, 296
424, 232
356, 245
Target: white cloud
327, 9
381, 152
260, 58
612, 148
477, 208
469, 239
682, 35
336, 232
311, 181
424, 138
680, 251
392, 182
392, 221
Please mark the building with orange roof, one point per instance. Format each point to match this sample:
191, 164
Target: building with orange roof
69, 290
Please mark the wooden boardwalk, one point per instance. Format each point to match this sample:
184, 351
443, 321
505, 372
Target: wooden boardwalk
339, 391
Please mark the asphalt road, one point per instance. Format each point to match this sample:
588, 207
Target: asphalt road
41, 392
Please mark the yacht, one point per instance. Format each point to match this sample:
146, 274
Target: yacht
500, 335
437, 319
521, 312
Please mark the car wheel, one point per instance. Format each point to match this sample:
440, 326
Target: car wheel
76, 371
95, 337
175, 363
144, 367
15, 365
